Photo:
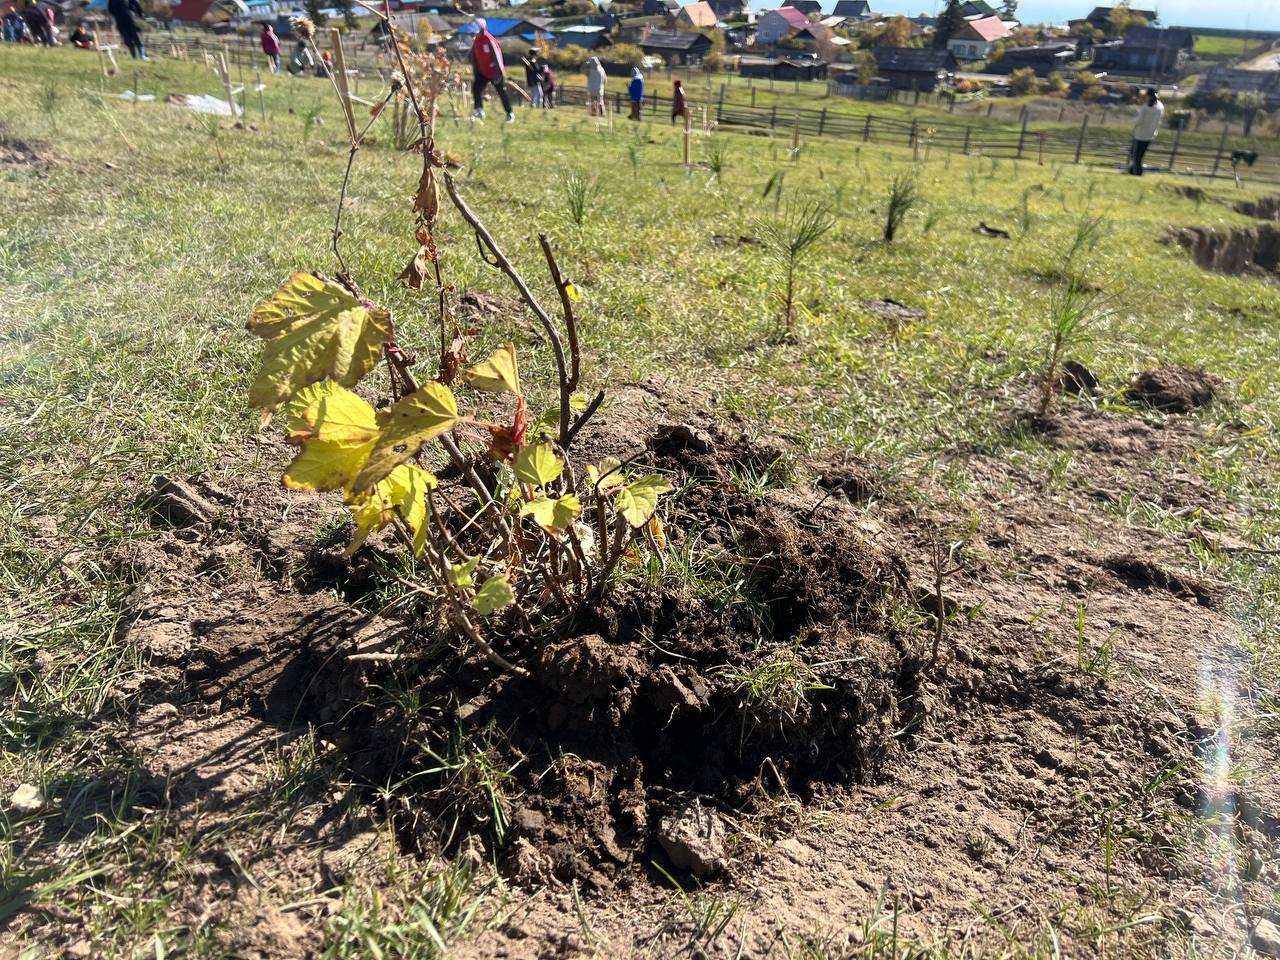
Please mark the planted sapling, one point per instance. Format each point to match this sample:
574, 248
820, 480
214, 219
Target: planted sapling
788, 239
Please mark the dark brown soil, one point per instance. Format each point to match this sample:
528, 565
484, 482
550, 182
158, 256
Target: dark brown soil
1247, 250
1175, 389
18, 152
896, 315
1264, 208
1197, 194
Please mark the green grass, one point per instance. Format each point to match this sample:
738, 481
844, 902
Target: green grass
1223, 46
129, 263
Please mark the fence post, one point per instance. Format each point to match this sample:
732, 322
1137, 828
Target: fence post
1084, 125
686, 138
720, 106
866, 133
753, 98
822, 120
617, 103
653, 100
968, 131
1177, 142
1022, 134
773, 116
1217, 161
795, 139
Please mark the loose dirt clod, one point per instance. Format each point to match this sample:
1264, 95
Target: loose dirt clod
17, 152
1175, 389
896, 315
693, 838
1078, 379
1250, 250
720, 240
988, 231
178, 504
1265, 938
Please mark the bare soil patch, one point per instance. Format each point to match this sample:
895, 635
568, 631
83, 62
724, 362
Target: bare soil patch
1264, 208
761, 717
1175, 389
21, 153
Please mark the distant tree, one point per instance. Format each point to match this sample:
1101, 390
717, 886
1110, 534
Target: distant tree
1250, 103
315, 12
1023, 82
866, 67
1009, 10
1057, 84
348, 10
896, 33
949, 23
1122, 19
714, 58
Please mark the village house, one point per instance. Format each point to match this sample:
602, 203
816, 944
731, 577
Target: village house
587, 36
783, 68
730, 9
776, 25
976, 38
658, 8
809, 8
676, 47
1265, 82
978, 10
915, 68
1146, 51
853, 9
1044, 59
1101, 17
697, 16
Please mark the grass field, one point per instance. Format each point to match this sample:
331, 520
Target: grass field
133, 250
1223, 46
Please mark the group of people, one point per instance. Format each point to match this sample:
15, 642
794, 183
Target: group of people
33, 21
30, 21
489, 70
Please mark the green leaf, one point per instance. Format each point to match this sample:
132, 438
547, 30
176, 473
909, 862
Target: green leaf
327, 411
606, 476
314, 328
496, 374
537, 465
462, 574
638, 500
553, 516
405, 426
495, 595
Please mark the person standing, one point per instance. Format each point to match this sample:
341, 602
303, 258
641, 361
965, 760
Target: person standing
128, 17
595, 86
488, 68
533, 68
678, 106
548, 86
1146, 129
39, 26
271, 47
635, 90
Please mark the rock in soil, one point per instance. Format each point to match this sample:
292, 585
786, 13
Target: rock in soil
896, 314
693, 838
1265, 938
1175, 389
27, 800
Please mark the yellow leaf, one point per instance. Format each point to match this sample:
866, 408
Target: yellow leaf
606, 476
404, 427
314, 328
572, 292
638, 500
553, 516
659, 531
537, 465
496, 374
404, 491
327, 411
326, 465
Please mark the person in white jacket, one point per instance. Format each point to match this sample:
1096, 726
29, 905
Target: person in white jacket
1146, 129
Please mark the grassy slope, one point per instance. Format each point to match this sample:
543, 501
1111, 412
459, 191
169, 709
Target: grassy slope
128, 266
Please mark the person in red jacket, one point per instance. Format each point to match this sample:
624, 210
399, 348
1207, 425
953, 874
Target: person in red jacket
488, 68
271, 47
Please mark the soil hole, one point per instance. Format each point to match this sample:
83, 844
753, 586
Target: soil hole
1249, 250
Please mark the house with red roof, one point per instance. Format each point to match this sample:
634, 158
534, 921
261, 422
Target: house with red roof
976, 38
776, 25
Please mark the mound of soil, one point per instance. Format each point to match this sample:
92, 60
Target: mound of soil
1198, 194
895, 314
1250, 250
1175, 389
1264, 208
17, 152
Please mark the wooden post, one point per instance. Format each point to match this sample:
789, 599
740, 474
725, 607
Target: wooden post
686, 137
135, 87
340, 77
226, 83
822, 120
262, 100
866, 131
720, 106
1043, 136
1062, 112
1022, 134
795, 139
753, 98
1177, 142
990, 106
773, 116
968, 132
1217, 161
1084, 126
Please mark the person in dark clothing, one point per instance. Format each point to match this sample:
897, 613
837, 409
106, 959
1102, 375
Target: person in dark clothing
533, 73
548, 87
82, 38
678, 106
128, 16
36, 17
